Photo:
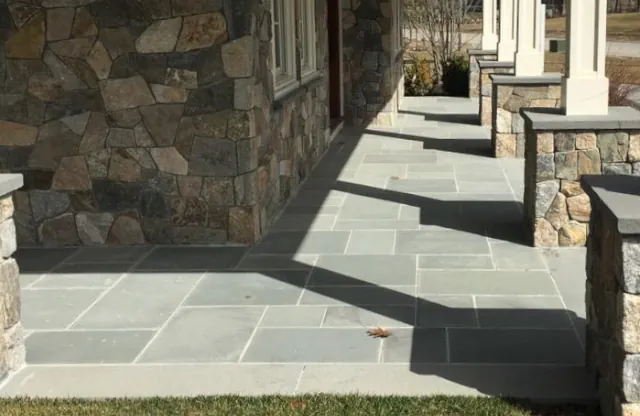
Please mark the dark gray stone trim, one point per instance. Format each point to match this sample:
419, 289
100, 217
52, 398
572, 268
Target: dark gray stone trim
619, 118
495, 64
617, 195
482, 52
10, 182
544, 79
309, 84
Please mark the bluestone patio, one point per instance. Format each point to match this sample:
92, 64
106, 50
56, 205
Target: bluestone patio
412, 228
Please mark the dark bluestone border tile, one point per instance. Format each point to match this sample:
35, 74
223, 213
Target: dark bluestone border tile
193, 258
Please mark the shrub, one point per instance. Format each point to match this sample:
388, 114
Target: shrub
455, 76
417, 77
622, 81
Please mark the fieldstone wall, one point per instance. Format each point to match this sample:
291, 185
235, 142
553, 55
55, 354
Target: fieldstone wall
372, 70
486, 87
12, 351
476, 55
148, 121
507, 125
613, 306
555, 205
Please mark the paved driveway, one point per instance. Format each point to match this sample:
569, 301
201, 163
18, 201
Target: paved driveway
413, 229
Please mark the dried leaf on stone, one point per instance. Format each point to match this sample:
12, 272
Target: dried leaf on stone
379, 332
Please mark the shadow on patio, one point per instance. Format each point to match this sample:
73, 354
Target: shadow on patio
383, 233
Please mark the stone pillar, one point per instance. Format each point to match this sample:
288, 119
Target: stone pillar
613, 292
560, 149
12, 351
486, 89
475, 56
510, 94
529, 59
585, 89
508, 26
489, 25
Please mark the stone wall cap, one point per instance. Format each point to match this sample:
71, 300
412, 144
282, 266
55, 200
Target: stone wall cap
495, 64
9, 182
619, 118
619, 195
506, 79
482, 52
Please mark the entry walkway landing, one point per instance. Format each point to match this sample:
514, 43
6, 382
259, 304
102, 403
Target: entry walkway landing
414, 229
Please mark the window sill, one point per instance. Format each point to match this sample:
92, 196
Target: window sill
289, 94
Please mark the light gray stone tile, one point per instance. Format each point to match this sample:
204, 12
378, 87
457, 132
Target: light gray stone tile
485, 282
384, 171
55, 308
371, 242
85, 347
422, 185
312, 345
354, 224
359, 296
522, 312
515, 256
515, 346
415, 346
192, 258
278, 262
293, 316
315, 197
140, 300
83, 275
275, 287
430, 168
109, 254
364, 270
201, 335
303, 222
153, 380
312, 242
427, 242
455, 262
563, 383
424, 157
446, 312
494, 187
358, 207
370, 317
27, 279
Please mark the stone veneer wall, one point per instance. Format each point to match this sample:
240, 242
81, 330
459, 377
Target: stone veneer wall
613, 299
507, 125
12, 351
486, 87
474, 69
372, 74
149, 121
555, 205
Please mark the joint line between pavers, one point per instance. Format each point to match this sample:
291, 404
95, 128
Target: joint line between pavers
306, 283
107, 290
169, 318
297, 386
486, 234
346, 246
253, 334
475, 310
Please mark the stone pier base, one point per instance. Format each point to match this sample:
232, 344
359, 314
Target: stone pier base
509, 95
12, 351
486, 88
559, 149
613, 292
476, 55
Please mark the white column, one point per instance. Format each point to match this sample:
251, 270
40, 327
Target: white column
529, 59
508, 23
542, 25
489, 24
585, 87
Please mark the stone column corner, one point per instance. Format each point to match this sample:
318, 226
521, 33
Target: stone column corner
613, 292
559, 150
476, 55
486, 90
12, 350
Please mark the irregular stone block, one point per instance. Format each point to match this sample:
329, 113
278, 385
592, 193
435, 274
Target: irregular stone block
630, 276
544, 142
124, 93
614, 147
28, 42
616, 168
59, 231
579, 207
544, 234
564, 142
169, 160
201, 31
566, 165
586, 141
126, 230
237, 57
572, 234
545, 167
557, 215
72, 175
589, 162
161, 36
93, 228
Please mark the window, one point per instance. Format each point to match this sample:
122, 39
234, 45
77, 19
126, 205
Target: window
291, 23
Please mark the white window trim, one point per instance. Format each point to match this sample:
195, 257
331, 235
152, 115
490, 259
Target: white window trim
310, 46
288, 81
285, 79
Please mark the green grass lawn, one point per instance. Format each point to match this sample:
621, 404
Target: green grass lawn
281, 406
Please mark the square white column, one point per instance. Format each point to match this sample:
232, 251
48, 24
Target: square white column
529, 58
508, 23
542, 25
489, 24
585, 87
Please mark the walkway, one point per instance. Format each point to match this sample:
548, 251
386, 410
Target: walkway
412, 228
